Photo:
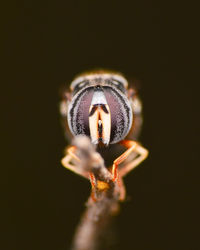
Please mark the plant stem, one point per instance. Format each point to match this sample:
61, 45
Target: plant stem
103, 203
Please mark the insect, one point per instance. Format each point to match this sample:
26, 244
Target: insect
101, 106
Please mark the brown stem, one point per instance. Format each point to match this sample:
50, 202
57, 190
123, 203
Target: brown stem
106, 192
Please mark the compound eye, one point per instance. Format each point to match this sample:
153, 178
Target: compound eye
78, 112
121, 114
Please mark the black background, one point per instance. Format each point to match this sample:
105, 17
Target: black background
45, 44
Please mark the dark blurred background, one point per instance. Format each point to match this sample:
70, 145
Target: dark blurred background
44, 45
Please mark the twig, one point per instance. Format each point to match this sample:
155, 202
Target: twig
106, 192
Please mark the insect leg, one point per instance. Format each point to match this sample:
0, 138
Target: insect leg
132, 147
69, 162
122, 189
141, 151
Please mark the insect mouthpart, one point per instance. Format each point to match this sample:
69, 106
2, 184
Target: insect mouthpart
100, 123
99, 118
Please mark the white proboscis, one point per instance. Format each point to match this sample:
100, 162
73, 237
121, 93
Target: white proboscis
100, 118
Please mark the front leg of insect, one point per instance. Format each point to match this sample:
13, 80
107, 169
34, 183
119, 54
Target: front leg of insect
71, 160
101, 107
